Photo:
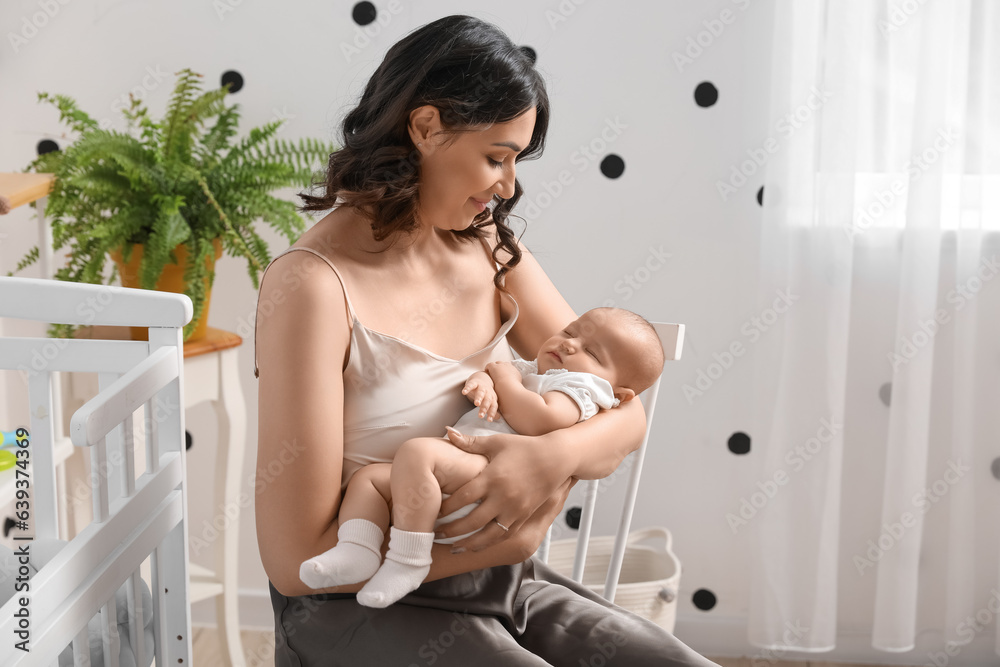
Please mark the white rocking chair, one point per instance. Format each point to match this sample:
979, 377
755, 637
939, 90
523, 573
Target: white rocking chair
672, 340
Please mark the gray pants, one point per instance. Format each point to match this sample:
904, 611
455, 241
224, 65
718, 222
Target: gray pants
525, 614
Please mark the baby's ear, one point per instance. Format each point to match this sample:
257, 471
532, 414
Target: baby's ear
624, 394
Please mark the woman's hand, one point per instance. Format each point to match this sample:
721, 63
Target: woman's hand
522, 477
532, 532
479, 389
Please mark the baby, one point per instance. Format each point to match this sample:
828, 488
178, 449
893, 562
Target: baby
603, 359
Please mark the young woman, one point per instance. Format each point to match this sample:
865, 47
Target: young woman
365, 338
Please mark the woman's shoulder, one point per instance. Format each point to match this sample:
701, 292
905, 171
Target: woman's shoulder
302, 311
323, 246
307, 280
328, 238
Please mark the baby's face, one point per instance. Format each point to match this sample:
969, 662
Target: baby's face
591, 344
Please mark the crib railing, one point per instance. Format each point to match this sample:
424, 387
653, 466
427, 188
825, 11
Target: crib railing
672, 340
133, 518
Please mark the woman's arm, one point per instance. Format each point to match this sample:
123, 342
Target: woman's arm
599, 444
302, 337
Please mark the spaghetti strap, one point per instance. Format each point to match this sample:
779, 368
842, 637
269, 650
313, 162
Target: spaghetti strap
347, 298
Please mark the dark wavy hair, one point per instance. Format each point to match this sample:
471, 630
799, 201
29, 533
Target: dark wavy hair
475, 76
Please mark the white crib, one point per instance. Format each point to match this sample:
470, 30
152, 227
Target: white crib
133, 518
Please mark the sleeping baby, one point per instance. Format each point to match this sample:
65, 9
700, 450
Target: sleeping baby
605, 358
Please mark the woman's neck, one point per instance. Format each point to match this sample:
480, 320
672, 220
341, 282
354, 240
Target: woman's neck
416, 248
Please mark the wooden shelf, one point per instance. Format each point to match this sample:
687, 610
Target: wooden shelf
25, 188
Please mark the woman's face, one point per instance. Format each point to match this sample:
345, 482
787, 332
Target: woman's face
474, 166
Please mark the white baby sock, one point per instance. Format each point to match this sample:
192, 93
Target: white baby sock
355, 558
406, 564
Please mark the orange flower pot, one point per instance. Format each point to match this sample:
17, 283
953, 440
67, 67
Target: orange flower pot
171, 280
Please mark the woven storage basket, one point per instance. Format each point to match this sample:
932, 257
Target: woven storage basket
650, 575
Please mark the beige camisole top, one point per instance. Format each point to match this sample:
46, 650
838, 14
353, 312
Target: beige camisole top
395, 390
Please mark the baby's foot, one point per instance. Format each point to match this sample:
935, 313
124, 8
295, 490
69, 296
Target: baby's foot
406, 564
346, 563
392, 581
355, 558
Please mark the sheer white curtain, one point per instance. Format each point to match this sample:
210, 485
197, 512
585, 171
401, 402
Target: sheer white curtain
890, 124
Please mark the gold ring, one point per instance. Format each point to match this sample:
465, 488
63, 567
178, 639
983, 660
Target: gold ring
505, 528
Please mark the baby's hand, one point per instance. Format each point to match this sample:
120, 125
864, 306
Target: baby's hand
480, 391
499, 370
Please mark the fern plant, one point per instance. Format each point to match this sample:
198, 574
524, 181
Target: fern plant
170, 182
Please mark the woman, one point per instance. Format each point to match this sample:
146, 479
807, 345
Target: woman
366, 337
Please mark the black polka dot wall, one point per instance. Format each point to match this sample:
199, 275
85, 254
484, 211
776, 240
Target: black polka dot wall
995, 467
760, 196
704, 599
364, 13
46, 146
612, 166
706, 94
573, 517
234, 79
739, 443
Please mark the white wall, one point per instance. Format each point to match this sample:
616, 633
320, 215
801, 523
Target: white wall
608, 66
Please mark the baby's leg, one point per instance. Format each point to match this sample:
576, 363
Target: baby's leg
369, 495
428, 467
421, 470
364, 518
